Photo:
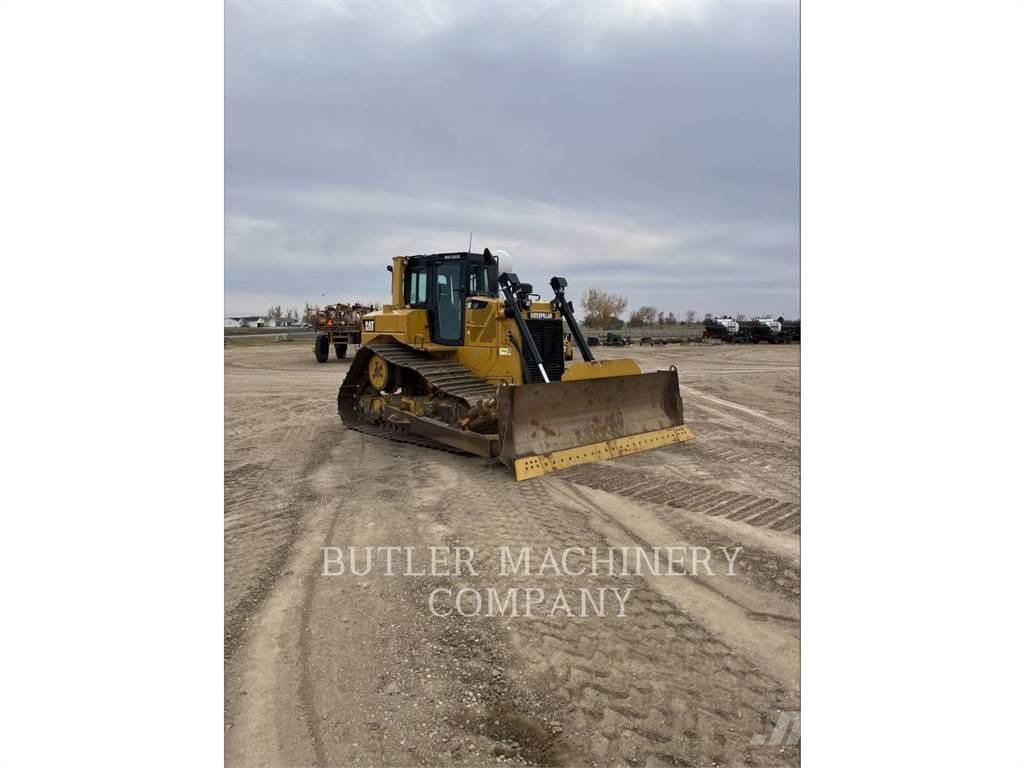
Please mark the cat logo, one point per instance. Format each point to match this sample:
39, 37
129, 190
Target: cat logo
368, 325
505, 351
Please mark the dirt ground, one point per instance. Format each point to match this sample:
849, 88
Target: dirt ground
356, 671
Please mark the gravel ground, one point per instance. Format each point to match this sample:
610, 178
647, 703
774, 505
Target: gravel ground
349, 670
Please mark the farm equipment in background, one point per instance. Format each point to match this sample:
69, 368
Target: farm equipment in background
338, 325
659, 341
617, 340
722, 328
468, 358
567, 346
754, 331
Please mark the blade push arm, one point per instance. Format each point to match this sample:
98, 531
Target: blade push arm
509, 284
565, 307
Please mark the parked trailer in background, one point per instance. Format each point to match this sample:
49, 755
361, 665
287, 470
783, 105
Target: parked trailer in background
617, 340
733, 331
791, 331
723, 328
339, 325
783, 331
754, 331
655, 341
610, 340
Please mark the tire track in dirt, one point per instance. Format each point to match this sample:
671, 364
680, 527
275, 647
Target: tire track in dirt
747, 453
656, 488
307, 703
270, 686
263, 509
778, 423
724, 605
657, 688
359, 672
454, 666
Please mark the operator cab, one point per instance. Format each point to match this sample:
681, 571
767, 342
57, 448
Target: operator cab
442, 282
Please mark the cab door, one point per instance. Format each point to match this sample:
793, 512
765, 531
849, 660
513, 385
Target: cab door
449, 304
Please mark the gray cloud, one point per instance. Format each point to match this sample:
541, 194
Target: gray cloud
650, 148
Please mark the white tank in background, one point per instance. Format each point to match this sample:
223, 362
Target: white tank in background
775, 325
730, 324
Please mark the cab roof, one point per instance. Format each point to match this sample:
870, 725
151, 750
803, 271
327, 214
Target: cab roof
467, 255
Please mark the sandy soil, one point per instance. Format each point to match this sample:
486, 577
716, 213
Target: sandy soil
357, 671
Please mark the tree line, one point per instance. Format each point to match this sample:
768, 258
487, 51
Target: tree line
606, 310
603, 310
308, 315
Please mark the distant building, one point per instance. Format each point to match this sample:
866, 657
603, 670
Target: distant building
253, 321
262, 321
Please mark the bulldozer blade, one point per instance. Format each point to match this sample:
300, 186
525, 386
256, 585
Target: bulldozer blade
547, 427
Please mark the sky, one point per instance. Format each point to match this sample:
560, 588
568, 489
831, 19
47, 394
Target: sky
646, 148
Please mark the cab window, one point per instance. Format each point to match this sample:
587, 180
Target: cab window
416, 286
480, 280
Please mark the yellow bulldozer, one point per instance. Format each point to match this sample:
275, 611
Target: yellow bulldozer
468, 358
